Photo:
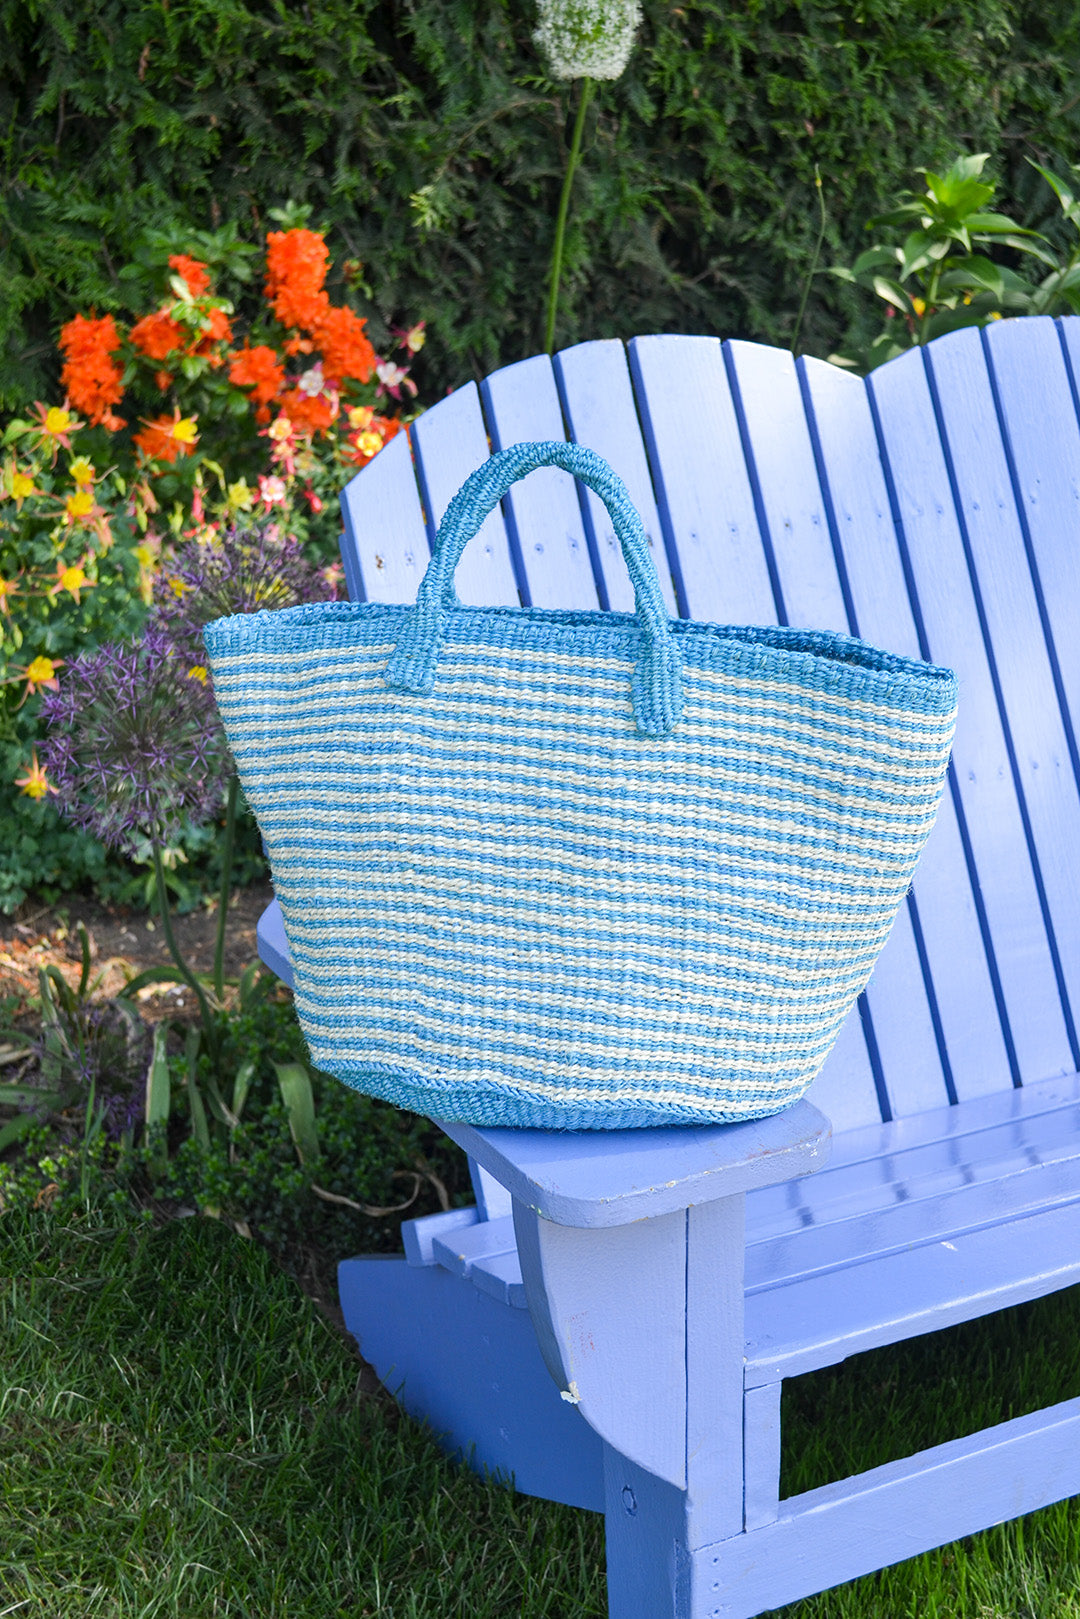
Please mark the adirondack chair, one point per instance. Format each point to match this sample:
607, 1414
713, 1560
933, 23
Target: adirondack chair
670, 1280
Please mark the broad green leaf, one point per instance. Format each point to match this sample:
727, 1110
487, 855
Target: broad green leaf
295, 1084
893, 293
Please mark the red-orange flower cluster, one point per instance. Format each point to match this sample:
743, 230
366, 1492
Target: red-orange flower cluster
312, 413
91, 378
295, 272
258, 368
158, 335
341, 340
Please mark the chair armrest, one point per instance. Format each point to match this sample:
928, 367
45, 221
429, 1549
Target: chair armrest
610, 1177
272, 944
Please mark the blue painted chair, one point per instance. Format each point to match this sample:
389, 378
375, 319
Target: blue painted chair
670, 1280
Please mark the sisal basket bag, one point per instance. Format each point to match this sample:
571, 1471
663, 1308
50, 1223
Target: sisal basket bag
577, 870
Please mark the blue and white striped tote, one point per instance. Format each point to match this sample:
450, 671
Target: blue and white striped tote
577, 870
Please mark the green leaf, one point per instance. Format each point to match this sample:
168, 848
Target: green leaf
295, 1085
241, 1085
158, 1081
199, 1126
15, 1129
32, 1096
893, 293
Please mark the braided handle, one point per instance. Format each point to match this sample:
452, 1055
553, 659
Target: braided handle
657, 680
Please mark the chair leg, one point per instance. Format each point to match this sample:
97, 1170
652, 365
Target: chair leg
647, 1562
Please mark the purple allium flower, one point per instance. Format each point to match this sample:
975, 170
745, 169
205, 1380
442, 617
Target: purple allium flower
135, 747
245, 571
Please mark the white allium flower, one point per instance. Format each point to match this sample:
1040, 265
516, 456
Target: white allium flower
587, 39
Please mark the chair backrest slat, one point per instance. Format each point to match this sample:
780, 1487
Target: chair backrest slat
598, 399
699, 472
543, 512
386, 548
911, 1047
1021, 661
450, 442
1036, 389
1005, 891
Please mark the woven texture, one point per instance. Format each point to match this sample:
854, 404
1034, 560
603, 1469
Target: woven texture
579, 870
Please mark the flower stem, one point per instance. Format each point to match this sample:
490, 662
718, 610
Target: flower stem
812, 271
564, 209
226, 884
184, 970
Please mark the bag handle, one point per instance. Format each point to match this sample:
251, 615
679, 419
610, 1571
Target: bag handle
657, 680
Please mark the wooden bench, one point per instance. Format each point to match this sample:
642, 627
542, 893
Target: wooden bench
670, 1280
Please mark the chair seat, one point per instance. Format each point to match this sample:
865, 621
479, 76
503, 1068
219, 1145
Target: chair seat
914, 1226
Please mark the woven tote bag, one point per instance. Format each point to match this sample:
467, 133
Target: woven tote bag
577, 870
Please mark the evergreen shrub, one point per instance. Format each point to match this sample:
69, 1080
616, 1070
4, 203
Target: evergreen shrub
428, 142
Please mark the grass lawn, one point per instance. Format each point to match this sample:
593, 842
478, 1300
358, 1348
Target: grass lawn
182, 1433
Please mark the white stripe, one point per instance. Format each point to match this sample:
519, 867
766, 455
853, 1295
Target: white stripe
821, 854
654, 988
534, 1018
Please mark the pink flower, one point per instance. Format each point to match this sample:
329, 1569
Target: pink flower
272, 491
392, 378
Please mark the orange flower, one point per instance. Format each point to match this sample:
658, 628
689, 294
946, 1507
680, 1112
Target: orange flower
295, 271
92, 379
165, 437
35, 784
191, 271
259, 369
158, 335
310, 413
216, 328
345, 349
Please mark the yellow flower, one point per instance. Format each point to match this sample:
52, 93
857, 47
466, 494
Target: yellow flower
71, 577
22, 484
82, 471
360, 416
8, 587
144, 556
995, 314
369, 443
280, 429
198, 673
57, 420
919, 306
35, 784
79, 505
178, 587
185, 431
240, 496
40, 672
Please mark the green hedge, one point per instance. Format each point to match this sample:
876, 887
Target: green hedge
427, 139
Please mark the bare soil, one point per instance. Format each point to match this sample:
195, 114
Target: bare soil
123, 943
